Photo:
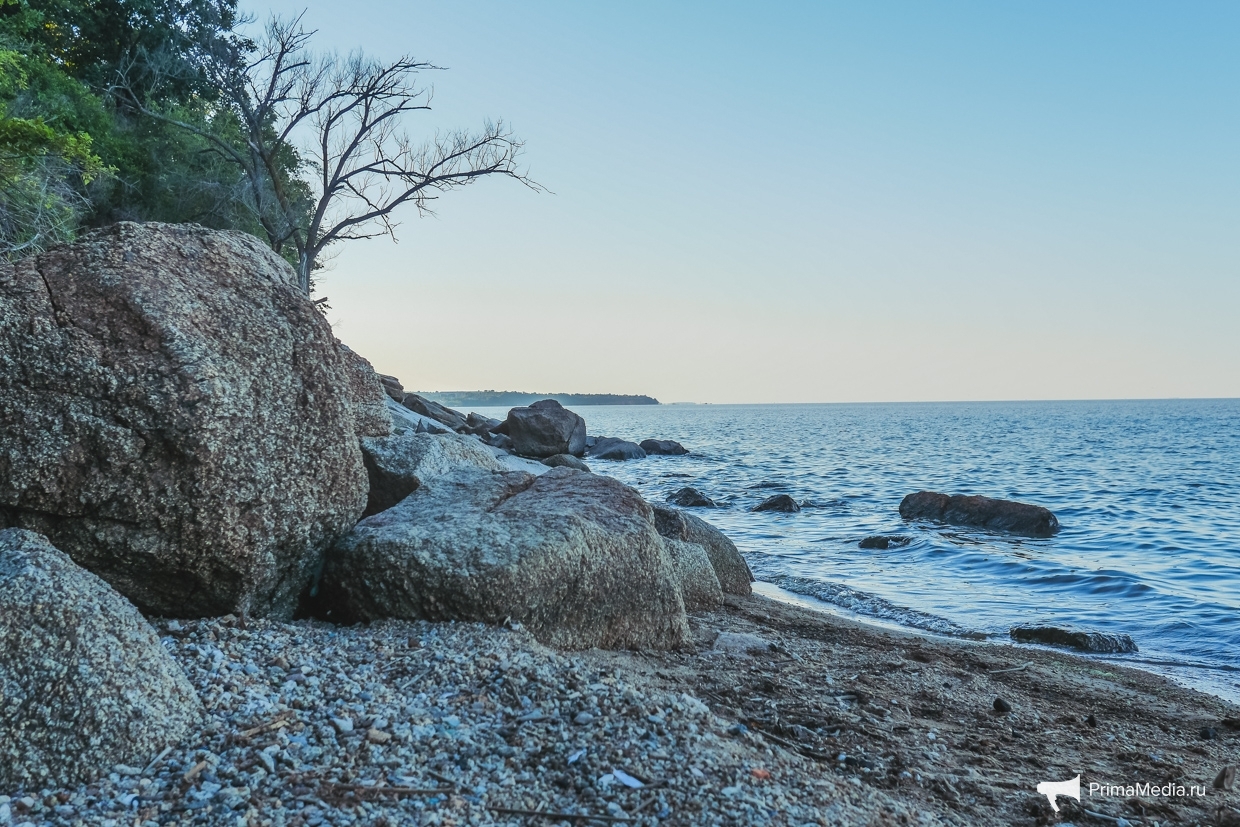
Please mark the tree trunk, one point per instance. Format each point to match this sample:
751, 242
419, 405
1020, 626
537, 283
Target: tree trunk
305, 264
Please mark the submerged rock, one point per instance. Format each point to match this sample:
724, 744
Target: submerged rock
691, 498
779, 502
397, 465
544, 429
663, 447
996, 515
565, 461
1100, 642
574, 557
730, 567
884, 541
454, 419
610, 448
84, 681
176, 417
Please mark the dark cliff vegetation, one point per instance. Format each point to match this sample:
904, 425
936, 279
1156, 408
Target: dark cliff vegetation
165, 110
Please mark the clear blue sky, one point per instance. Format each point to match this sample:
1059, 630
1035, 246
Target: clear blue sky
798, 202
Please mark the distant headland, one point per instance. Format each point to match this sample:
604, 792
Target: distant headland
501, 399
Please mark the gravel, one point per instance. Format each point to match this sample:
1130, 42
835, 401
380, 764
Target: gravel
397, 723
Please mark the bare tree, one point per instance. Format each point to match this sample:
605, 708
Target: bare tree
324, 149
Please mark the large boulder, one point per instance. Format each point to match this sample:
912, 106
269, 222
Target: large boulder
985, 512
367, 395
454, 419
176, 417
397, 465
544, 429
730, 567
618, 450
575, 557
699, 584
663, 447
392, 387
84, 681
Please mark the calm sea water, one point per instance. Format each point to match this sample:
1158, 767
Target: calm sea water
1147, 493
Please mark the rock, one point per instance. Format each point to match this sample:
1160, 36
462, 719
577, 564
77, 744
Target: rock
739, 643
583, 718
663, 447
503, 442
996, 515
455, 420
1085, 641
84, 682
606, 447
779, 502
1225, 779
691, 498
1001, 706
573, 557
545, 429
392, 386
367, 395
176, 417
565, 461
699, 585
730, 567
483, 426
1092, 720
397, 465
1208, 733
884, 542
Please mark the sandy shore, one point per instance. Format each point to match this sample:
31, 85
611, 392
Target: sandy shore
836, 723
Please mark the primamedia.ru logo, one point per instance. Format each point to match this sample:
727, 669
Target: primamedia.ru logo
1167, 789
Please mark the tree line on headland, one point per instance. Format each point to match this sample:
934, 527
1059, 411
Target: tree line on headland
512, 399
177, 111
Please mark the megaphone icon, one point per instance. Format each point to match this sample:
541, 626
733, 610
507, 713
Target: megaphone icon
1051, 789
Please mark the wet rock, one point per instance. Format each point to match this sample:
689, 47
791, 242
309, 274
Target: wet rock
779, 502
663, 447
1226, 778
176, 417
573, 557
691, 498
366, 394
544, 429
606, 447
397, 465
84, 682
1001, 706
453, 419
985, 512
565, 461
730, 567
699, 585
884, 541
1100, 642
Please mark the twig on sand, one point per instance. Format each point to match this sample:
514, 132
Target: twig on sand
336, 788
510, 811
156, 760
445, 779
1020, 668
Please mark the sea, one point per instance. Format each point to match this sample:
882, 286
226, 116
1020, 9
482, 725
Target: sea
1147, 494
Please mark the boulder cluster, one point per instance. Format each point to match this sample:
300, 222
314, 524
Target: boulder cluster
182, 435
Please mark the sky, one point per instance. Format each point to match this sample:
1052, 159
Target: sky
814, 202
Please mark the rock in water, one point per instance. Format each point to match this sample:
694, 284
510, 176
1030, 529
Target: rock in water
996, 515
565, 461
397, 465
691, 498
574, 557
1085, 641
663, 447
545, 429
884, 541
606, 447
176, 417
368, 396
779, 502
454, 419
730, 567
84, 681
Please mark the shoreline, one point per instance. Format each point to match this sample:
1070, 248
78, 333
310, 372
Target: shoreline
791, 717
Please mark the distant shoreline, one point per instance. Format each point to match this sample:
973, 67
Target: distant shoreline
496, 399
